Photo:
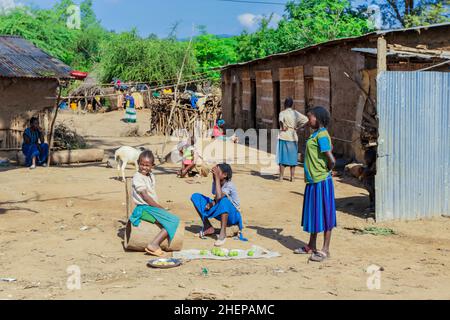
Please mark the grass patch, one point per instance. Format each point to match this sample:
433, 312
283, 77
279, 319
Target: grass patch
375, 231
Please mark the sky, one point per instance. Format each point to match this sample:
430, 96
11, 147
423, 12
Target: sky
157, 16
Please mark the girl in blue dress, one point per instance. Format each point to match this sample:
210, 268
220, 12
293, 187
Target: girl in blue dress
319, 207
224, 207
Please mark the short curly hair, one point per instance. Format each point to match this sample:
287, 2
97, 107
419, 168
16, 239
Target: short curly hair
146, 154
322, 115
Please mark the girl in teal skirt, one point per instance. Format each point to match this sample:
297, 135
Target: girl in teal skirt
148, 208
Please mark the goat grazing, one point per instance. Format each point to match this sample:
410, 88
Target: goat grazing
125, 155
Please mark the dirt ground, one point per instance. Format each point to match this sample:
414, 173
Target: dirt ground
43, 212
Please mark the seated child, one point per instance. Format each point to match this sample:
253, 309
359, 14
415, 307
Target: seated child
224, 207
219, 132
148, 208
188, 163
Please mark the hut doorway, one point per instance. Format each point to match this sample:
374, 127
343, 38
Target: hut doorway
253, 104
233, 103
309, 93
277, 103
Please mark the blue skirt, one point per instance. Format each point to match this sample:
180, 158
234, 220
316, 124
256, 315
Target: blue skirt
287, 153
319, 207
31, 150
224, 206
168, 220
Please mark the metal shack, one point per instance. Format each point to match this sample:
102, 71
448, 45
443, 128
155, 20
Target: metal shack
29, 78
339, 75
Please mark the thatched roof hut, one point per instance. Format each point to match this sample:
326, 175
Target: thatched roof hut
29, 79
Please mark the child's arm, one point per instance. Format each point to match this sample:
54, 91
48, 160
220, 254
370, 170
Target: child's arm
331, 160
149, 200
219, 193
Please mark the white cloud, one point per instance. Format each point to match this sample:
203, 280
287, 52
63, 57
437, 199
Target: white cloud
6, 5
251, 21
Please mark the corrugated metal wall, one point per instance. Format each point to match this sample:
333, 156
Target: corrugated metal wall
413, 169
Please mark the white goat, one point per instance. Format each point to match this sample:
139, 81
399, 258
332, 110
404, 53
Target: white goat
125, 155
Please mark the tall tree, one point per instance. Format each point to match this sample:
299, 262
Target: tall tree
304, 23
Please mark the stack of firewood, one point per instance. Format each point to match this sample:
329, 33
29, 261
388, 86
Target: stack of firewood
184, 115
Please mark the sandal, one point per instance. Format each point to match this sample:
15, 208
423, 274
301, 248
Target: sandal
319, 256
303, 250
203, 234
158, 253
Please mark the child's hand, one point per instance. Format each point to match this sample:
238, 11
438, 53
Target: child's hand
215, 172
208, 206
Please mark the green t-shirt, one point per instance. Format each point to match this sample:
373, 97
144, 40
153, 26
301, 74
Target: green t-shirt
316, 163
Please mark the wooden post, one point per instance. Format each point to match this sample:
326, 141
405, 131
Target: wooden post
381, 55
52, 127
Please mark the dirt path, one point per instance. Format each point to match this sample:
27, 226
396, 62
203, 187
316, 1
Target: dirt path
43, 212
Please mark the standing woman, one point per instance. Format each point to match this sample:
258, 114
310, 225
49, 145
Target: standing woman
290, 121
34, 147
319, 207
130, 111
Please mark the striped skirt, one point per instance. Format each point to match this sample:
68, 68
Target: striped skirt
287, 153
130, 115
319, 207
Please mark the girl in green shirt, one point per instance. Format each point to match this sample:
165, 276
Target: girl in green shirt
319, 207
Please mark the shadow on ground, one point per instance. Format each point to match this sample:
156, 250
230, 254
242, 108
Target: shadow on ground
356, 206
289, 242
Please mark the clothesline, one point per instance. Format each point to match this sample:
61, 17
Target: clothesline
149, 90
146, 83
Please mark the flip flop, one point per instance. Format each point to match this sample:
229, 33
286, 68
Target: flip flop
203, 235
319, 256
303, 250
158, 253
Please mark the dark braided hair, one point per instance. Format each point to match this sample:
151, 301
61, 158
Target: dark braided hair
226, 168
147, 154
322, 115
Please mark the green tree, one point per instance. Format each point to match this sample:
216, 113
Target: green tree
44, 29
304, 23
212, 52
132, 58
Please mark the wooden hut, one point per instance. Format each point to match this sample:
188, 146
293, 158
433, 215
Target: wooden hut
29, 79
339, 75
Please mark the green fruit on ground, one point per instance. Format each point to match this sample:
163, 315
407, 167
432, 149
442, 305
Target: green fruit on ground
251, 253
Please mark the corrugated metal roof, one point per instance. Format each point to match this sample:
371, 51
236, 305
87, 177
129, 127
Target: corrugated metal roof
413, 168
21, 59
336, 41
403, 54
